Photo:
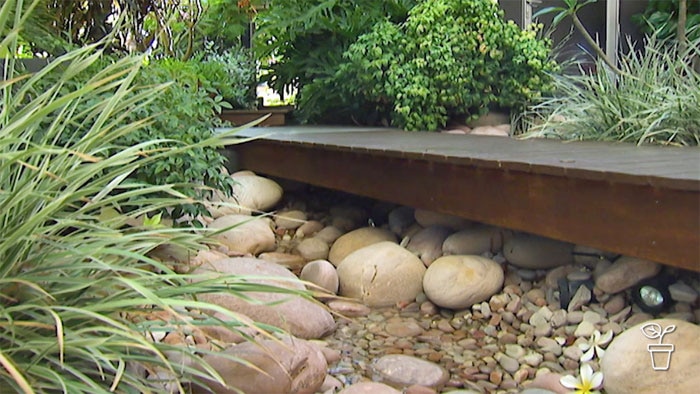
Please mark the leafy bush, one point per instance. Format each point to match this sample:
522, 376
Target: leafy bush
450, 58
661, 18
180, 114
655, 100
305, 41
230, 74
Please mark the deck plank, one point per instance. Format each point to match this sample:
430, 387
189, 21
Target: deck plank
642, 201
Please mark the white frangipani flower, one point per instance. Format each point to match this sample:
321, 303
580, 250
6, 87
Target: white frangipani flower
595, 345
586, 383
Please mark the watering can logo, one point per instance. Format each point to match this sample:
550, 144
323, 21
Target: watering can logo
660, 352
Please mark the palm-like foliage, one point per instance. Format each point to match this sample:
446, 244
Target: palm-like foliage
73, 274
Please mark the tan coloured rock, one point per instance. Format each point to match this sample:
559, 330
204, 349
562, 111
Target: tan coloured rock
349, 308
627, 363
400, 219
250, 193
293, 366
535, 252
246, 234
369, 388
309, 228
348, 217
427, 243
329, 234
476, 240
321, 273
401, 370
624, 273
312, 249
300, 316
502, 130
381, 274
458, 282
429, 218
290, 220
357, 239
292, 262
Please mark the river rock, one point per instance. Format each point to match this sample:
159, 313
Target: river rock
292, 366
369, 388
290, 220
329, 234
458, 282
381, 274
429, 218
401, 370
312, 249
246, 235
400, 219
250, 193
681, 292
624, 273
535, 252
292, 262
427, 243
309, 228
627, 363
476, 240
301, 317
321, 273
348, 217
357, 239
589, 256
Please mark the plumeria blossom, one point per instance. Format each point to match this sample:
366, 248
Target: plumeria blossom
595, 345
586, 383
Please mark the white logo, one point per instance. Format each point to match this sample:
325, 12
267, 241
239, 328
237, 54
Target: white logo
660, 352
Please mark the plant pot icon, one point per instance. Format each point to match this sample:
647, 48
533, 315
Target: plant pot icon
660, 355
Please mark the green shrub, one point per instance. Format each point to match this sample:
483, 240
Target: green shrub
450, 58
180, 114
304, 40
655, 100
661, 18
230, 74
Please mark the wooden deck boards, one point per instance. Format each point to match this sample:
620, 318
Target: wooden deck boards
640, 201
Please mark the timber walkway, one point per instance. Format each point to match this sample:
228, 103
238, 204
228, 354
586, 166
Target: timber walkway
638, 201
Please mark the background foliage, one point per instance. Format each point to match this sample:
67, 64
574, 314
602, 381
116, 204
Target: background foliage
661, 18
304, 41
451, 58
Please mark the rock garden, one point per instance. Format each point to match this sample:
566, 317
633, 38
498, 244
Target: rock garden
416, 301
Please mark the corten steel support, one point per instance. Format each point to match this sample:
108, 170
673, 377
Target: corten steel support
652, 222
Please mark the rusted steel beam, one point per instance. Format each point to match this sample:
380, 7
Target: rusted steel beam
656, 223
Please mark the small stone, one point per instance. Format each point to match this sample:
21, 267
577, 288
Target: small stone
349, 308
507, 363
638, 318
428, 308
584, 329
312, 249
619, 317
615, 304
543, 330
514, 351
559, 318
626, 272
549, 345
321, 273
369, 388
416, 389
683, 293
578, 276
496, 377
572, 352
329, 234
581, 297
404, 329
290, 220
406, 370
592, 317
533, 359
309, 228
508, 338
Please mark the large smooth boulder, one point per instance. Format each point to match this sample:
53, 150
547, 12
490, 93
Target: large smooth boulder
624, 273
476, 240
427, 243
357, 239
381, 274
627, 364
301, 317
292, 366
429, 218
290, 220
245, 234
250, 193
535, 252
369, 388
458, 282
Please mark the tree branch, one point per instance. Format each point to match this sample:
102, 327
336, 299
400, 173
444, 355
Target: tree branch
598, 51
